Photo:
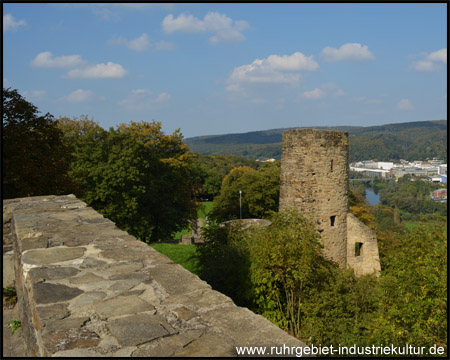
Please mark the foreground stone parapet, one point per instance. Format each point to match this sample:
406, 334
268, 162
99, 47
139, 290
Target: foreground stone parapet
86, 288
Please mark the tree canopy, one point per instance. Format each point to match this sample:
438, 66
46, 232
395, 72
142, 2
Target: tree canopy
135, 175
260, 193
34, 156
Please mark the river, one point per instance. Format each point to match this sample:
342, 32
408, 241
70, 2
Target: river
372, 197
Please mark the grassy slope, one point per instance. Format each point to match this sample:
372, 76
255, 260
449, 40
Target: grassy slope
180, 253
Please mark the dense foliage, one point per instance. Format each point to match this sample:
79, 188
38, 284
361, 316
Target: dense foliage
260, 193
211, 169
135, 175
412, 197
34, 155
279, 272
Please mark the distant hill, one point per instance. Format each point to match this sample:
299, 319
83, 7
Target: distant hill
410, 141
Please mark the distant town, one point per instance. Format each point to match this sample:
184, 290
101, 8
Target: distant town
434, 170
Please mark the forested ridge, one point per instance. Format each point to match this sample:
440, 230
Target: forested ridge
410, 141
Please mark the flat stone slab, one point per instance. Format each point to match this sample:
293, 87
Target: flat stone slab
138, 329
169, 345
46, 293
208, 345
176, 280
200, 300
122, 305
52, 273
53, 312
86, 279
69, 339
52, 255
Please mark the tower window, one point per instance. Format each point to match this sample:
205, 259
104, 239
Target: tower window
358, 247
331, 166
332, 220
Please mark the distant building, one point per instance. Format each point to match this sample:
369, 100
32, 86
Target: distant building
439, 194
435, 179
442, 169
385, 165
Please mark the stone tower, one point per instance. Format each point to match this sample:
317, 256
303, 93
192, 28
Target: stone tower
314, 180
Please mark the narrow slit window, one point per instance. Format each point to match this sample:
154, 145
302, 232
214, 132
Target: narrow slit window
331, 166
358, 247
332, 220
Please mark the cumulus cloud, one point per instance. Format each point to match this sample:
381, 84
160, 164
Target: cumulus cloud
333, 88
46, 59
80, 95
432, 61
224, 28
405, 104
142, 99
350, 51
98, 71
11, 24
314, 94
282, 69
142, 43
34, 94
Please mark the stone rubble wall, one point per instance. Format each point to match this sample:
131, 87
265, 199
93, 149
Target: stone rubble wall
368, 261
86, 288
314, 180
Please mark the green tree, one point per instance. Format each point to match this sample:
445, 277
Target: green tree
260, 193
137, 176
286, 263
34, 155
413, 308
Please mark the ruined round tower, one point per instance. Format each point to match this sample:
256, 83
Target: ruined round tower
314, 180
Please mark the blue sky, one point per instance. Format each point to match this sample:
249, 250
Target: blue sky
230, 68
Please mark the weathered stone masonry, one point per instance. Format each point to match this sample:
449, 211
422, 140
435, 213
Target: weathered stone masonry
86, 288
314, 180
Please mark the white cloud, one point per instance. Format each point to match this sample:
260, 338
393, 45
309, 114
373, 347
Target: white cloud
350, 51
46, 59
34, 94
340, 92
296, 61
80, 95
282, 69
440, 55
405, 104
98, 71
11, 24
431, 62
314, 94
225, 29
143, 99
142, 43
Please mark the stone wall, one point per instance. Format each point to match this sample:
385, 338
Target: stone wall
314, 180
86, 288
363, 238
